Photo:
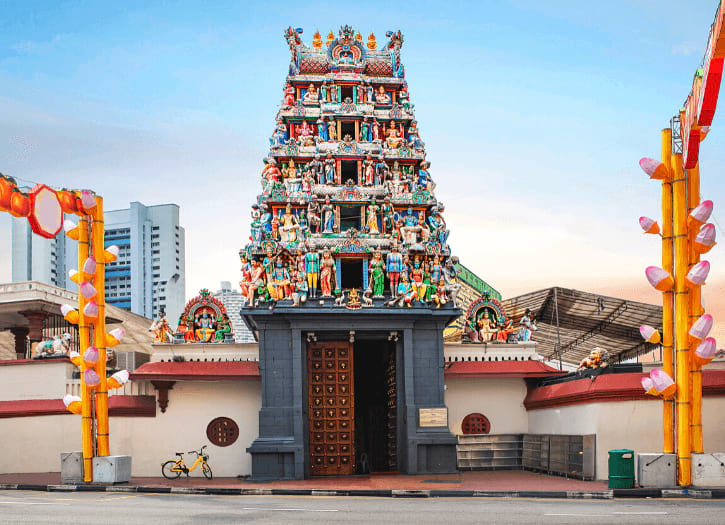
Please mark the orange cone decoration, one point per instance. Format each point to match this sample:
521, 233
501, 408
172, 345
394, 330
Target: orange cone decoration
70, 314
654, 168
663, 383
649, 386
649, 225
72, 403
118, 379
650, 334
705, 351
700, 214
705, 239
71, 229
110, 254
114, 337
659, 278
75, 358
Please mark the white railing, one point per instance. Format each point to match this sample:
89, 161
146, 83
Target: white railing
491, 352
132, 388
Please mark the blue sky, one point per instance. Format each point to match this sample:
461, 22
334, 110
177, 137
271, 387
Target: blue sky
534, 116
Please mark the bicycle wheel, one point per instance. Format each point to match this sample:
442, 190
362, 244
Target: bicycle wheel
206, 469
167, 472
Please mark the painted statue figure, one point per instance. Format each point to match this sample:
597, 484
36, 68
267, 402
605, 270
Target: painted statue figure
327, 274
257, 281
486, 328
311, 95
375, 129
365, 130
414, 137
332, 130
289, 226
313, 216
304, 134
299, 295
423, 175
377, 274
278, 283
316, 168
372, 218
328, 217
404, 97
381, 97
312, 271
393, 267
416, 276
439, 292
388, 213
368, 170
246, 280
289, 96
330, 174
369, 93
528, 326
381, 170
223, 327
279, 135
322, 129
205, 330
323, 91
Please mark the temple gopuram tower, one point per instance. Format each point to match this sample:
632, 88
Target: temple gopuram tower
348, 276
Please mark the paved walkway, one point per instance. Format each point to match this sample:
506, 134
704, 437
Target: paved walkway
493, 480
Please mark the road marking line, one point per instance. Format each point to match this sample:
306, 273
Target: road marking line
28, 503
585, 515
654, 512
289, 510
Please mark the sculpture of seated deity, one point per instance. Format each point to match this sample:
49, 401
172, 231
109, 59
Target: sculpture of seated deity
205, 328
394, 140
381, 97
312, 95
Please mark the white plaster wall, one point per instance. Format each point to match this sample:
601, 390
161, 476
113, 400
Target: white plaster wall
34, 444
192, 405
33, 381
501, 400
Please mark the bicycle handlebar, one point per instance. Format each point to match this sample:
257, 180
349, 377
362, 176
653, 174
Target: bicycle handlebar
199, 452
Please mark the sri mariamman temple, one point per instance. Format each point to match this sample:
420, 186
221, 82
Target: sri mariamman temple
375, 349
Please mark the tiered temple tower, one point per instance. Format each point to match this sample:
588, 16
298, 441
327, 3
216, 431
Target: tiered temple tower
348, 275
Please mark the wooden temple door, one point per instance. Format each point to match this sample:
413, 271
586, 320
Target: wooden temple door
331, 408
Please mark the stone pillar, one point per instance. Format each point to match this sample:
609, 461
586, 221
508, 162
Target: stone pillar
20, 335
35, 324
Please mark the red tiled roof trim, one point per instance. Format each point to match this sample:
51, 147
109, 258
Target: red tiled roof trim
499, 369
118, 406
608, 388
197, 370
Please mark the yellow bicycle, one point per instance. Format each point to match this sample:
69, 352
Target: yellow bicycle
173, 468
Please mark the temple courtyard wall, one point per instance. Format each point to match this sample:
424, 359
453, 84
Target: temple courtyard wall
36, 428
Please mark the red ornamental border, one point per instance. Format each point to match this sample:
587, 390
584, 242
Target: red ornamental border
204, 298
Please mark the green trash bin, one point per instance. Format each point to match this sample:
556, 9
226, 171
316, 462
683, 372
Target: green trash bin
621, 469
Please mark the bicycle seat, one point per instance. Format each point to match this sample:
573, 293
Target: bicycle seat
179, 454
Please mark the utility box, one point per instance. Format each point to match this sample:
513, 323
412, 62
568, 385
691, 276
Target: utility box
708, 470
621, 469
71, 467
656, 470
112, 469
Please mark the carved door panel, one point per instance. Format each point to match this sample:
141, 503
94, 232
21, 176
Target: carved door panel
331, 408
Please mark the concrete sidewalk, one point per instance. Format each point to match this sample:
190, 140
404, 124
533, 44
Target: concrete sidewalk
501, 483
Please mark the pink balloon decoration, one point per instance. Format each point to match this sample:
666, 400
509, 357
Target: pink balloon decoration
91, 377
705, 238
91, 309
654, 168
702, 212
659, 278
661, 380
89, 266
650, 334
701, 327
88, 200
88, 290
649, 225
647, 383
91, 355
707, 349
698, 273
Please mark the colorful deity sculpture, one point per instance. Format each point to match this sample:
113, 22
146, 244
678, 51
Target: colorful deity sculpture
393, 267
312, 271
377, 274
304, 134
289, 226
371, 221
381, 97
598, 358
330, 171
528, 326
328, 217
327, 274
332, 130
322, 129
289, 96
311, 95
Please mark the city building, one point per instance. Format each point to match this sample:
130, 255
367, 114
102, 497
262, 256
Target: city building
148, 275
234, 301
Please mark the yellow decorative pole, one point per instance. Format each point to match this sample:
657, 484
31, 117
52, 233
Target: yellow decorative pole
682, 347
99, 328
696, 310
84, 340
667, 312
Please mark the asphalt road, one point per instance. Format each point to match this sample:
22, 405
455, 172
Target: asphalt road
121, 509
